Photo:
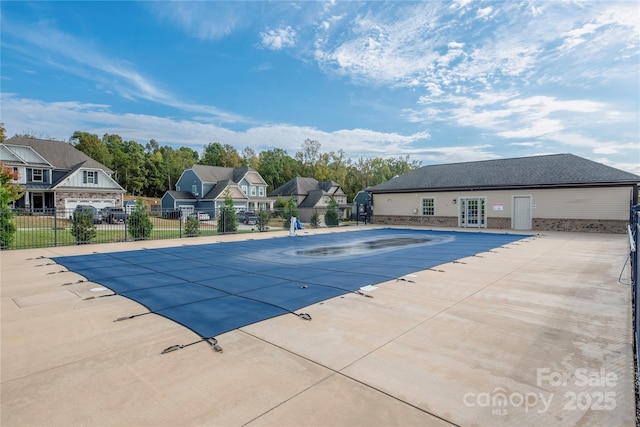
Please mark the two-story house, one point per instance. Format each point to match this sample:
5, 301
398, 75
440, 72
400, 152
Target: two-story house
54, 174
313, 196
204, 188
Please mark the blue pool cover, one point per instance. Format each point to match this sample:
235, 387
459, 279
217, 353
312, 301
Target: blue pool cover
215, 288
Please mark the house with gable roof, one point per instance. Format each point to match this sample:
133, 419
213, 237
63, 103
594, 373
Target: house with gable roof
560, 192
54, 174
203, 188
313, 196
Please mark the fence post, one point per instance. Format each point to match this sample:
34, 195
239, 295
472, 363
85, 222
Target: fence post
126, 223
55, 226
180, 222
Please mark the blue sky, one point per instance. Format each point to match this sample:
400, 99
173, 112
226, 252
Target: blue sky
441, 82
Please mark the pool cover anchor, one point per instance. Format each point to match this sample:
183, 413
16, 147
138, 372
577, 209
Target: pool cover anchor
303, 316
212, 341
357, 292
130, 317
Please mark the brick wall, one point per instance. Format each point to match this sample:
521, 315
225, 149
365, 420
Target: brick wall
539, 224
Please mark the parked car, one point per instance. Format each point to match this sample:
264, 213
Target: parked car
89, 210
113, 214
242, 215
251, 219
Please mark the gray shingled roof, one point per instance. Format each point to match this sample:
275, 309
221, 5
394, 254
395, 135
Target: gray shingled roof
549, 170
296, 186
60, 154
211, 174
312, 199
181, 195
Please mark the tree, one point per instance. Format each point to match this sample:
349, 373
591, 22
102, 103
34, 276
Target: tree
135, 169
139, 223
276, 167
227, 219
331, 217
83, 229
9, 192
212, 155
309, 157
92, 146
250, 158
2, 133
192, 226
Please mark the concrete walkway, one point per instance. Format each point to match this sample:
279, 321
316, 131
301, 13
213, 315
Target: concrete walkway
535, 333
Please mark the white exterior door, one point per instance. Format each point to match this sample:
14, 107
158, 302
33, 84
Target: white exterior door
521, 213
473, 212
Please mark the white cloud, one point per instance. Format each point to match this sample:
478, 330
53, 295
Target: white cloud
279, 39
484, 13
64, 118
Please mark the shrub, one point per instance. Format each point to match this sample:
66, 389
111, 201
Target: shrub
7, 228
314, 221
263, 221
139, 223
331, 217
83, 229
227, 218
192, 226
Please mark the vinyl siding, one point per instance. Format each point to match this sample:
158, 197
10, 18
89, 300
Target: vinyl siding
569, 203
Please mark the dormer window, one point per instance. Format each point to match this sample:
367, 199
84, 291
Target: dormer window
245, 189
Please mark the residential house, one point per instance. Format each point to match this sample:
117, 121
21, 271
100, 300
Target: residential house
313, 197
54, 174
552, 192
204, 188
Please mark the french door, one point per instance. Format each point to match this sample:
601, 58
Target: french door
473, 213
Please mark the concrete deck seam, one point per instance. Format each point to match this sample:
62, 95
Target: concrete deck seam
340, 373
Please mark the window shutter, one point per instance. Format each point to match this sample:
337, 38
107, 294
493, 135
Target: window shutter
29, 174
95, 177
84, 177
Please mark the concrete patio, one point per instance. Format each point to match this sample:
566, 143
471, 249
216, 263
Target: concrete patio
537, 332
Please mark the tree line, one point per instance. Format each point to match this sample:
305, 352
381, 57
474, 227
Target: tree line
151, 170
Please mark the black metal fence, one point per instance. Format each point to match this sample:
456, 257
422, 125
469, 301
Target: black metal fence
634, 241
21, 229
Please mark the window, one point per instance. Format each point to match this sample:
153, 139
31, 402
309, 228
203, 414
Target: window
89, 177
16, 174
253, 191
177, 188
261, 191
428, 207
245, 189
194, 189
36, 175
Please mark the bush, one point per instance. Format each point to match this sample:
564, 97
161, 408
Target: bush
314, 221
227, 218
139, 223
7, 228
192, 226
83, 229
263, 221
331, 217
